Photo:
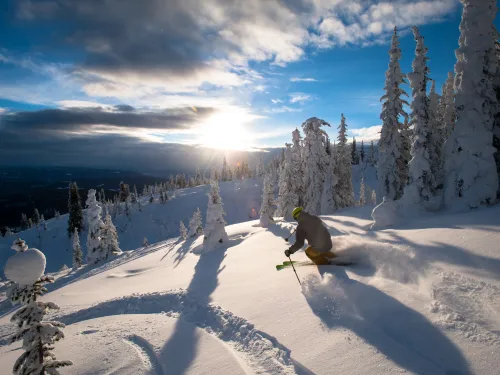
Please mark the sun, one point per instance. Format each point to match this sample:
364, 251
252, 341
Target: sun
227, 131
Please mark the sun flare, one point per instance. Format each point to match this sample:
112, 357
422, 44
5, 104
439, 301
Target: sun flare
226, 131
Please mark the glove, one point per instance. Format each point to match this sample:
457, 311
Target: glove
288, 253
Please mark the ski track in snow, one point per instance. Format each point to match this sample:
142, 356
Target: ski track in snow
469, 306
263, 352
147, 354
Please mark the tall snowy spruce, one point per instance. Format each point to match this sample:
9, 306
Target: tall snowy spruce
215, 231
109, 238
77, 251
25, 269
287, 196
95, 251
344, 191
472, 175
437, 137
195, 227
298, 167
75, 219
329, 188
266, 209
448, 106
422, 186
392, 165
314, 160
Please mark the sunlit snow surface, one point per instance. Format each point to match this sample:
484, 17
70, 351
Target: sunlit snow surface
424, 297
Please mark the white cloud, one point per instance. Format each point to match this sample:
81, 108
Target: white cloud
283, 109
297, 79
276, 101
371, 133
299, 97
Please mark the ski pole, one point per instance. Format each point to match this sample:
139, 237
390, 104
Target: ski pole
286, 239
295, 271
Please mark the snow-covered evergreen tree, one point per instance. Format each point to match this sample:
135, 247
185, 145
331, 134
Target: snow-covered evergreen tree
25, 269
195, 227
297, 167
472, 176
36, 217
266, 209
422, 186
215, 231
183, 231
95, 250
392, 161
448, 106
374, 197
24, 221
315, 160
354, 152
437, 137
329, 187
371, 156
343, 194
287, 197
77, 251
75, 219
109, 238
362, 196
362, 152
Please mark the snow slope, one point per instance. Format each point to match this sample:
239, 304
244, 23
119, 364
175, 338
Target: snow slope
424, 298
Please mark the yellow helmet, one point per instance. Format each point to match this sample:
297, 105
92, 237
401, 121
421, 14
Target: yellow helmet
296, 212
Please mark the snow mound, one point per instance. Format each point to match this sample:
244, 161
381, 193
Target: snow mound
263, 352
25, 267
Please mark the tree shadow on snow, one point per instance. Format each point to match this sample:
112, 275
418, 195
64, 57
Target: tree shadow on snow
403, 335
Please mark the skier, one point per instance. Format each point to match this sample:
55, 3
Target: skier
312, 229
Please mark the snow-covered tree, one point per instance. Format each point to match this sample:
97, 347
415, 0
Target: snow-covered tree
437, 137
75, 219
36, 217
195, 227
95, 250
362, 152
472, 176
25, 269
362, 196
183, 231
145, 242
215, 231
392, 161
315, 161
448, 106
287, 197
77, 251
109, 238
297, 167
343, 194
422, 186
124, 191
354, 152
371, 155
24, 221
329, 188
266, 209
374, 197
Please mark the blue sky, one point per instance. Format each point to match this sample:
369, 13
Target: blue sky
220, 73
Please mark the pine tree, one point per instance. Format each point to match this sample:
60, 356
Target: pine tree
371, 156
362, 196
297, 167
109, 238
422, 185
448, 106
392, 160
362, 152
36, 217
329, 188
472, 176
266, 211
77, 251
195, 227
124, 191
95, 250
24, 221
314, 160
75, 219
135, 196
437, 138
374, 197
287, 197
344, 192
354, 153
38, 336
182, 231
215, 231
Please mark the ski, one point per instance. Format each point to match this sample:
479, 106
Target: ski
287, 264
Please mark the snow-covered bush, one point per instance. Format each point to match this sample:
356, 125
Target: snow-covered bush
183, 231
472, 176
215, 231
195, 227
38, 336
266, 210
